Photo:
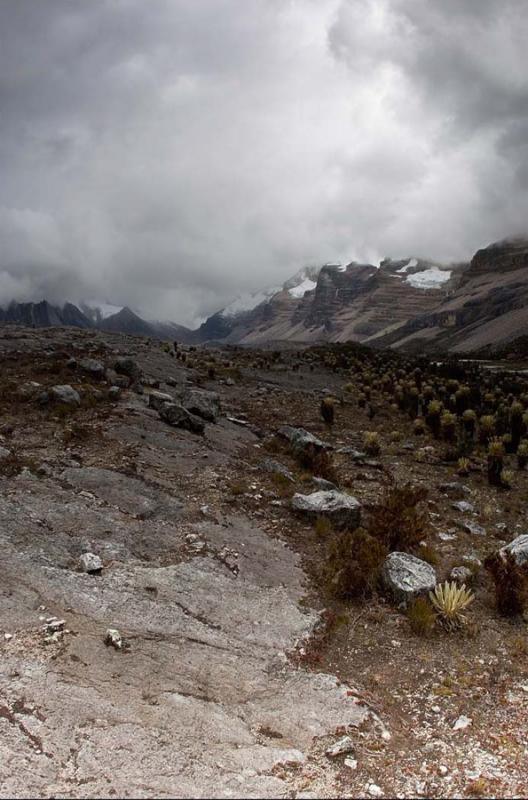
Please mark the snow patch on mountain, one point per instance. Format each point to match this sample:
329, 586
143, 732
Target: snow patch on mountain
413, 262
430, 278
298, 291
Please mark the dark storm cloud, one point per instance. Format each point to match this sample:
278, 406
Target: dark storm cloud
167, 154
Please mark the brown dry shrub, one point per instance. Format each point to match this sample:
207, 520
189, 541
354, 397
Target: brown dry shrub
511, 583
398, 522
353, 564
317, 461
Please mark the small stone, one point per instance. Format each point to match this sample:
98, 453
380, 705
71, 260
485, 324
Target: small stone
374, 790
473, 528
113, 638
461, 574
343, 745
443, 770
351, 763
462, 723
90, 563
464, 507
8, 636
53, 624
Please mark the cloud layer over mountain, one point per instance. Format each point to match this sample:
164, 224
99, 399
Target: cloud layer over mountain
167, 154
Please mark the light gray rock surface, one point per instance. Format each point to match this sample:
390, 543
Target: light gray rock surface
179, 711
343, 510
406, 576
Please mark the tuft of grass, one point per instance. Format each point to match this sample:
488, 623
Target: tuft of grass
371, 443
323, 527
421, 616
283, 486
237, 488
429, 554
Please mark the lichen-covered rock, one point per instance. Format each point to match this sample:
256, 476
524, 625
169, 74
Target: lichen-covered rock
202, 404
406, 576
343, 510
178, 416
301, 439
65, 394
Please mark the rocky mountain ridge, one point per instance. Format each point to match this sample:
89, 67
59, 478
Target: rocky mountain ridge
412, 304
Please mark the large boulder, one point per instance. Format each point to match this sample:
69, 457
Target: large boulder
66, 395
518, 548
406, 576
343, 510
201, 403
178, 416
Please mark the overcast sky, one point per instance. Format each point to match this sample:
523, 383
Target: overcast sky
167, 153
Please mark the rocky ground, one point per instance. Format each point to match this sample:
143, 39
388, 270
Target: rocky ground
230, 672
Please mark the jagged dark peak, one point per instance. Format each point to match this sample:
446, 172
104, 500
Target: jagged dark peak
127, 321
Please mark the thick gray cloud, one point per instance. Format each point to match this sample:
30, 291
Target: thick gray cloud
167, 154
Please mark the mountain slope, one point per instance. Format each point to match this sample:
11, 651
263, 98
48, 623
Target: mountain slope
487, 309
337, 303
